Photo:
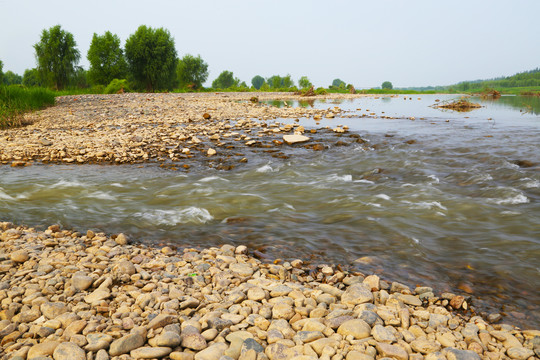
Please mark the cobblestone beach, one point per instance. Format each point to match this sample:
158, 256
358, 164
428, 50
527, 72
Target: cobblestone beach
66, 295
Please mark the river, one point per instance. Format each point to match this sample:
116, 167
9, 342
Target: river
439, 198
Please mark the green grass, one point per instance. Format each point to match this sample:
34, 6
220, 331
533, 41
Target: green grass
16, 100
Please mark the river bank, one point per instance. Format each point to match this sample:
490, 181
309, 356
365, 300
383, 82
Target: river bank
174, 129
67, 295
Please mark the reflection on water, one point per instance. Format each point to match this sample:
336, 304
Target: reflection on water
457, 208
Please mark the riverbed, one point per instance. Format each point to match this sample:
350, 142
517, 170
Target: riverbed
439, 198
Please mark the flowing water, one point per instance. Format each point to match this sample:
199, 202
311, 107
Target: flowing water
449, 200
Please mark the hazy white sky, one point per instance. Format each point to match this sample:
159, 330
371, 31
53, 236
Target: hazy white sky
410, 43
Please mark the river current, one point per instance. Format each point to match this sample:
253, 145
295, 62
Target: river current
443, 199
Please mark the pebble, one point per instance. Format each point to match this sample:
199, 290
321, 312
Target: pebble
141, 303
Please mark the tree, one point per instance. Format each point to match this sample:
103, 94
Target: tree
10, 78
151, 57
225, 80
275, 82
387, 85
1, 73
304, 82
192, 71
338, 83
257, 82
106, 57
287, 81
57, 56
31, 78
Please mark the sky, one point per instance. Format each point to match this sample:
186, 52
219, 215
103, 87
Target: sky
410, 43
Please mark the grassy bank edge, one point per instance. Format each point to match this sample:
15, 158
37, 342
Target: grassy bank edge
16, 100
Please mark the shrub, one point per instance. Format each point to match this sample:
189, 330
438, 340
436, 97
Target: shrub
117, 86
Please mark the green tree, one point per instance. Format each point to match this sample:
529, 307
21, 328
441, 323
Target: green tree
287, 81
1, 73
257, 82
225, 80
57, 56
10, 78
338, 83
275, 82
192, 71
31, 78
151, 57
304, 82
106, 57
387, 85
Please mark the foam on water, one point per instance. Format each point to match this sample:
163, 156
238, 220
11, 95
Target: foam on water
530, 183
5, 196
212, 178
363, 181
265, 169
190, 214
336, 177
383, 196
425, 205
101, 195
511, 200
67, 183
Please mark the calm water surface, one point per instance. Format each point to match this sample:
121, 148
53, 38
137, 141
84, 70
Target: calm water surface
440, 201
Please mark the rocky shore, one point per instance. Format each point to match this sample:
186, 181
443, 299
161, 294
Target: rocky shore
66, 295
169, 129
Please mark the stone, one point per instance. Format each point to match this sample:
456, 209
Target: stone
357, 328
42, 349
161, 320
98, 341
256, 294
519, 353
194, 341
295, 139
392, 351
213, 352
382, 334
357, 355
68, 351
251, 344
319, 345
126, 343
308, 336
456, 354
457, 301
101, 355
425, 346
19, 256
241, 269
150, 352
437, 320
168, 339
282, 311
410, 299
53, 310
178, 355
81, 281
211, 152
277, 351
357, 294
121, 239
125, 267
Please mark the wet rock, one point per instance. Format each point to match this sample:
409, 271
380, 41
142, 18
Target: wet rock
295, 139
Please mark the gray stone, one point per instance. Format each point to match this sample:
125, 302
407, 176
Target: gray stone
358, 328
161, 320
410, 300
456, 354
251, 344
97, 341
68, 351
519, 353
81, 281
437, 319
150, 352
308, 336
241, 269
370, 317
356, 294
126, 343
382, 334
168, 339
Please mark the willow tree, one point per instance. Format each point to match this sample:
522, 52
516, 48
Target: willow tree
57, 57
106, 57
152, 58
192, 71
